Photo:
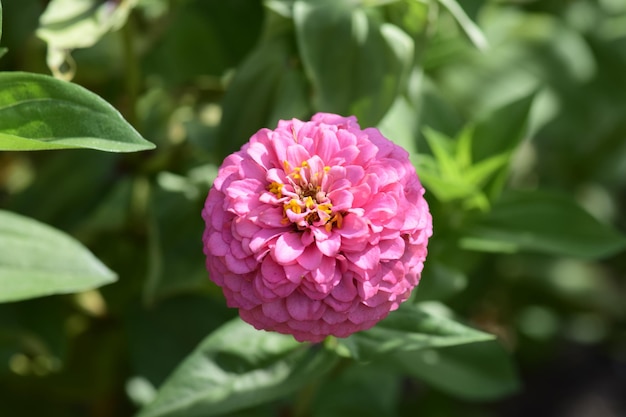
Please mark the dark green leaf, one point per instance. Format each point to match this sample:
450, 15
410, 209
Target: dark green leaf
412, 327
540, 221
154, 357
478, 371
502, 130
37, 260
237, 367
265, 87
364, 391
439, 281
355, 63
40, 112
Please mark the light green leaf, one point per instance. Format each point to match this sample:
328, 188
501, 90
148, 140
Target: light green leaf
400, 125
478, 371
470, 28
540, 221
71, 24
410, 328
37, 260
483, 170
443, 149
237, 367
355, 63
40, 112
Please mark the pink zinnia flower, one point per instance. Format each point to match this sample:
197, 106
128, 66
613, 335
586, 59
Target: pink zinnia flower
316, 228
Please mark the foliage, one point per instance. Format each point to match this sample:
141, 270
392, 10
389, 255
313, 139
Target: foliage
512, 113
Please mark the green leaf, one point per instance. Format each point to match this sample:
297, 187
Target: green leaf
360, 390
355, 63
400, 125
502, 130
470, 28
439, 281
71, 24
237, 367
541, 221
37, 260
40, 112
478, 371
410, 328
266, 86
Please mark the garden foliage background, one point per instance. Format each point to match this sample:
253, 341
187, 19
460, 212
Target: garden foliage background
513, 112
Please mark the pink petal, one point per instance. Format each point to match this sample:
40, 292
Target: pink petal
311, 258
353, 226
329, 247
365, 260
302, 308
288, 247
392, 248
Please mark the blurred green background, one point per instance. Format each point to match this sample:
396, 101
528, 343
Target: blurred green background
513, 111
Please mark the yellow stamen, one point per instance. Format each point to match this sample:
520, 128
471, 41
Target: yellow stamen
326, 208
276, 189
326, 168
305, 164
309, 203
293, 206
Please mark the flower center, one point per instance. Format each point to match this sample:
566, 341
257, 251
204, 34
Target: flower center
304, 200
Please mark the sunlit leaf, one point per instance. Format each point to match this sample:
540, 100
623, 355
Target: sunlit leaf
40, 112
237, 367
410, 328
37, 260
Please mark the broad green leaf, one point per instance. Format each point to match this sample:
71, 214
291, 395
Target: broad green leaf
470, 28
40, 112
541, 221
37, 260
410, 328
237, 367
356, 64
478, 371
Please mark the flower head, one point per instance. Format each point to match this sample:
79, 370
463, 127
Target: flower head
316, 228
